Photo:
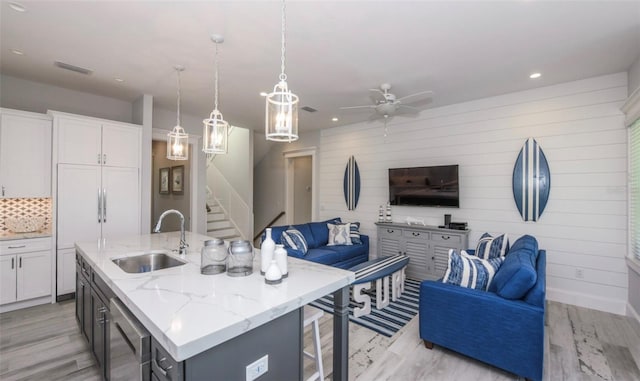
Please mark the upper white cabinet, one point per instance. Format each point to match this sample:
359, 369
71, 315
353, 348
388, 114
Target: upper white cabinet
96, 142
25, 154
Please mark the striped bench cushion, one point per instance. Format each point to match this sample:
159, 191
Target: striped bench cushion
379, 268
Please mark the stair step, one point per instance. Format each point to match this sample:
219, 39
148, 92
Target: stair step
221, 224
215, 209
222, 233
216, 217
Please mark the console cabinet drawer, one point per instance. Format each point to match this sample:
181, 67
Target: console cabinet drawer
389, 232
413, 234
453, 239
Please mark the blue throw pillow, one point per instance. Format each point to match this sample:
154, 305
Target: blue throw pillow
516, 276
355, 233
470, 271
320, 232
292, 238
492, 247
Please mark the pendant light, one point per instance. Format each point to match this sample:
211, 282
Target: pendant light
178, 139
215, 127
281, 117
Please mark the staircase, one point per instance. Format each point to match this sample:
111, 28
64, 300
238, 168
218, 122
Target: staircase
218, 223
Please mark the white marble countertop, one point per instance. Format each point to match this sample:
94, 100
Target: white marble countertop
188, 312
15, 236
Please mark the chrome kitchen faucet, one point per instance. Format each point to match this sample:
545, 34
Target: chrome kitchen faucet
183, 243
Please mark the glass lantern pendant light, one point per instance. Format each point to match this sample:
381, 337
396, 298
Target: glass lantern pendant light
215, 127
178, 139
281, 118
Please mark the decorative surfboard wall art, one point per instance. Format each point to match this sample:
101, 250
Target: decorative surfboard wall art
351, 183
531, 181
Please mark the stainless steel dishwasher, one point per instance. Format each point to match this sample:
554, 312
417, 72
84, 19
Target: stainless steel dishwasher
130, 346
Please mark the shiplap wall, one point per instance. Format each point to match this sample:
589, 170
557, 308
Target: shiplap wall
579, 126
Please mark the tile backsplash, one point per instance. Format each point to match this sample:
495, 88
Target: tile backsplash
25, 207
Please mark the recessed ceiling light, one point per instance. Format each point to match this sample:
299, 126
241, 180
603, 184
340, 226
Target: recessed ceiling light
18, 52
263, 94
17, 7
334, 119
535, 75
119, 79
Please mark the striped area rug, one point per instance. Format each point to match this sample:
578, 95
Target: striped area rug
387, 321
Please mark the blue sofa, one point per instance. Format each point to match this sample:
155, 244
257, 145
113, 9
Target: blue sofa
503, 326
317, 236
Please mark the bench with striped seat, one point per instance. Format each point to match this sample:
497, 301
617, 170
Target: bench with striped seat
379, 270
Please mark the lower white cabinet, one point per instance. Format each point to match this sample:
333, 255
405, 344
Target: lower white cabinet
25, 268
66, 281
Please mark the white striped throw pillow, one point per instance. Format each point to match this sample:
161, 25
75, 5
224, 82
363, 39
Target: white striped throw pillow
470, 271
293, 238
491, 247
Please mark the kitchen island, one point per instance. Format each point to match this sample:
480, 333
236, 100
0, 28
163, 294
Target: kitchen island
192, 316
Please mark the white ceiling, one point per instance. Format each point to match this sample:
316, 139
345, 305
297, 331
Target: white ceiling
335, 50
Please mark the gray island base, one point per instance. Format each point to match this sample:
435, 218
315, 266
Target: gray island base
202, 326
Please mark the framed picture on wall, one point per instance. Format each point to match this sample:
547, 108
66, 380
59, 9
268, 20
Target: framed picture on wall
164, 180
177, 179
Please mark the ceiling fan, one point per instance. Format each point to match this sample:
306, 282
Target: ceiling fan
387, 105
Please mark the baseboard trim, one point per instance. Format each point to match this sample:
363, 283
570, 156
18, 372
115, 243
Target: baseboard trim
632, 313
25, 304
618, 307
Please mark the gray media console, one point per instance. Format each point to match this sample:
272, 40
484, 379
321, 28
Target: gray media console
427, 246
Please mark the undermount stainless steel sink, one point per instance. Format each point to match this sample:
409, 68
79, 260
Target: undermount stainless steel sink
151, 261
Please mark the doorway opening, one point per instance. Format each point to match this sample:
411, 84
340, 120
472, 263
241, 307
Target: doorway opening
170, 187
300, 186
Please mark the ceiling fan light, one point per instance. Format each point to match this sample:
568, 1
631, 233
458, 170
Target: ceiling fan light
177, 144
215, 134
281, 114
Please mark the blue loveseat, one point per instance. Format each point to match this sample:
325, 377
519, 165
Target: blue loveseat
503, 326
317, 236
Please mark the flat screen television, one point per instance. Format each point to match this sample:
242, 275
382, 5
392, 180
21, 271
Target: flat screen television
425, 186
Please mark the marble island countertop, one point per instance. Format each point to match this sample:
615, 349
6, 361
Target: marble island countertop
188, 312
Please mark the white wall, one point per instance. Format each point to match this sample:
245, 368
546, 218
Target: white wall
579, 126
634, 76
22, 94
269, 178
237, 165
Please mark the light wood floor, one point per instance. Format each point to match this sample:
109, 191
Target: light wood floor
44, 343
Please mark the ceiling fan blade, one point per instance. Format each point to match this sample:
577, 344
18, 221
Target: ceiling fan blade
357, 107
377, 96
416, 97
405, 110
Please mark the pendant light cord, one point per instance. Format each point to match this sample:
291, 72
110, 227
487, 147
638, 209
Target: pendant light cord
178, 115
283, 76
215, 105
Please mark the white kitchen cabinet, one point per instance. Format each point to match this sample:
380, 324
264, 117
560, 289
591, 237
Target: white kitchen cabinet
66, 280
26, 269
7, 279
95, 202
97, 185
78, 204
25, 154
90, 141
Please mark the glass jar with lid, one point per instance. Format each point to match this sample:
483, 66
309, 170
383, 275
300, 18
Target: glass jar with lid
213, 257
240, 259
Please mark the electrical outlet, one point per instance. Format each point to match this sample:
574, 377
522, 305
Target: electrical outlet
579, 274
257, 368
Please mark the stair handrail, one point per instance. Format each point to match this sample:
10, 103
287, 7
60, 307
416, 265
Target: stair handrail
237, 211
269, 225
